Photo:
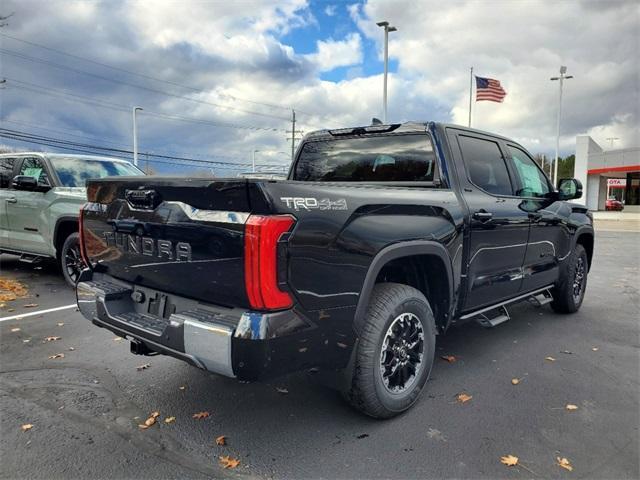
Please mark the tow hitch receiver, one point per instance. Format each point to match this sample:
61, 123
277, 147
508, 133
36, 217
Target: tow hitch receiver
139, 348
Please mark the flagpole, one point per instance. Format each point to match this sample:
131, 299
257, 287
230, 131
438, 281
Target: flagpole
470, 94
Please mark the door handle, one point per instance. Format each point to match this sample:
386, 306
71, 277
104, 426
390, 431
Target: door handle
483, 215
12, 200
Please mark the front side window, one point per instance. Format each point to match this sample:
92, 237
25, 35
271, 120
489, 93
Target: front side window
6, 171
35, 167
485, 165
385, 158
74, 171
531, 181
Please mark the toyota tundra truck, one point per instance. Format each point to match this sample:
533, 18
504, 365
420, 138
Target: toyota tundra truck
380, 239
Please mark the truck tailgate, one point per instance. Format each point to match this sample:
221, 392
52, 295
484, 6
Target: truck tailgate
171, 234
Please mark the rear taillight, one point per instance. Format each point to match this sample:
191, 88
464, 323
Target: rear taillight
261, 261
83, 252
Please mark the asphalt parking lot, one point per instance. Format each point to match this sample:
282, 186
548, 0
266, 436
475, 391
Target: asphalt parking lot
85, 408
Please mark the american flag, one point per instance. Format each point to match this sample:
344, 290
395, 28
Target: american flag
489, 89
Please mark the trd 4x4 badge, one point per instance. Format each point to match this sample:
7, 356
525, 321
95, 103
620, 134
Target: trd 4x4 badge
311, 203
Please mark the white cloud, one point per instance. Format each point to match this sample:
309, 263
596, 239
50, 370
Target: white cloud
330, 10
337, 53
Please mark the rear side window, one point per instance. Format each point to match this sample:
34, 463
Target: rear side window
532, 182
485, 165
387, 158
6, 171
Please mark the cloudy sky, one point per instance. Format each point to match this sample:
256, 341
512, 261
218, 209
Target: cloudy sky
218, 79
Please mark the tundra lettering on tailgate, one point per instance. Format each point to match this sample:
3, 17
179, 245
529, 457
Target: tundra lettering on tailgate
148, 246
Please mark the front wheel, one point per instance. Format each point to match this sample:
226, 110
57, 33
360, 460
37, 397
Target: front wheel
70, 259
395, 352
569, 292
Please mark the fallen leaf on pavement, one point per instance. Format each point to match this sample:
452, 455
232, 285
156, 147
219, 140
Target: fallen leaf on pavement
117, 339
182, 387
57, 355
26, 426
61, 324
221, 440
571, 406
143, 367
564, 463
169, 419
71, 349
11, 289
550, 359
150, 421
200, 415
515, 381
51, 339
463, 397
26, 340
11, 310
567, 352
2, 305
595, 349
282, 390
509, 460
17, 329
30, 305
362, 435
229, 462
449, 358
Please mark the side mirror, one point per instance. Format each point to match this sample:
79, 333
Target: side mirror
569, 188
26, 182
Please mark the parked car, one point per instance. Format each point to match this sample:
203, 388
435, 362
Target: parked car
613, 203
40, 197
381, 238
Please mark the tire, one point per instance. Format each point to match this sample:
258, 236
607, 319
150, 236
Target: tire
395, 311
69, 260
568, 294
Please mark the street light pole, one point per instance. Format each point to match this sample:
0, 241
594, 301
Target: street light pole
135, 136
387, 29
562, 77
253, 161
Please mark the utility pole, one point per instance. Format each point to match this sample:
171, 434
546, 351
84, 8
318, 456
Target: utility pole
293, 133
612, 139
470, 94
135, 136
387, 29
253, 161
562, 77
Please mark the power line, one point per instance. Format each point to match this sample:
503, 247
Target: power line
22, 56
17, 135
126, 108
142, 75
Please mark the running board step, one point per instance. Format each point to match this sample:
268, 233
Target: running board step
500, 315
541, 299
28, 258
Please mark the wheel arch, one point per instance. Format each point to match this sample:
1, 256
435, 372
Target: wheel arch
585, 238
65, 226
426, 266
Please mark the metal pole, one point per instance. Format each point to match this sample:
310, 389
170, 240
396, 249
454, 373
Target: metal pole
470, 94
135, 136
386, 70
555, 165
253, 161
293, 134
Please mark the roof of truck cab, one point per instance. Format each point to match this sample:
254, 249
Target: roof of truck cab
98, 158
406, 127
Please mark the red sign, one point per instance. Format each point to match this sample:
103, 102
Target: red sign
617, 182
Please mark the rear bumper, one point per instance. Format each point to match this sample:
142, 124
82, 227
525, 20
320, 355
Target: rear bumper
231, 342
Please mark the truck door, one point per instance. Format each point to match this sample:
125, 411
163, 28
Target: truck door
549, 236
26, 210
6, 196
498, 226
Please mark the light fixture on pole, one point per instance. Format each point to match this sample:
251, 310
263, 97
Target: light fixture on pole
253, 161
135, 136
387, 29
562, 77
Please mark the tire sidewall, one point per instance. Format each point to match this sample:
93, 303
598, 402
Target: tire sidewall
579, 253
398, 402
69, 242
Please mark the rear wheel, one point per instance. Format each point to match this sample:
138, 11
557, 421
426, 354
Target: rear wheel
70, 259
568, 294
395, 352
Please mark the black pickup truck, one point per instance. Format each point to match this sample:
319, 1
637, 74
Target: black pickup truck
380, 239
